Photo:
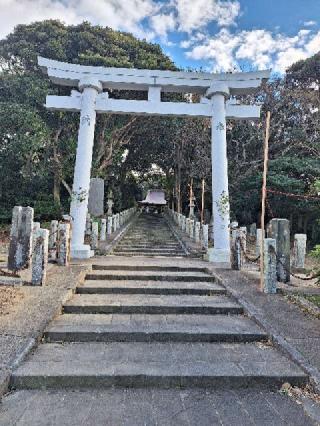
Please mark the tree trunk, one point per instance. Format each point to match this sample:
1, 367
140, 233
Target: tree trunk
56, 187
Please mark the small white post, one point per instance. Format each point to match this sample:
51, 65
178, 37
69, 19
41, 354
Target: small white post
197, 230
109, 226
258, 241
53, 236
205, 236
299, 250
103, 230
95, 235
63, 249
270, 266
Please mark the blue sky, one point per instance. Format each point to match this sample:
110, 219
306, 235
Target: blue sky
215, 35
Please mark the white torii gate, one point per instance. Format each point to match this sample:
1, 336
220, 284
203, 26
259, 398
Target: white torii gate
214, 90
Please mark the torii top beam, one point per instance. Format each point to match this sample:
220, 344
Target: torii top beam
66, 74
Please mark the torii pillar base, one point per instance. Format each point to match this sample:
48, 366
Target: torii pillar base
218, 258
81, 252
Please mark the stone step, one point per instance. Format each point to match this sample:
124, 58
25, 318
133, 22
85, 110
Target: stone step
134, 267
150, 287
150, 275
149, 250
150, 304
148, 254
84, 365
152, 328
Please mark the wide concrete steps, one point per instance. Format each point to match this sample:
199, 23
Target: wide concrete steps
150, 276
151, 304
139, 364
150, 287
153, 328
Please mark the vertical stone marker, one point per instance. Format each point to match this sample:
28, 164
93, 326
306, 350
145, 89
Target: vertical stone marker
270, 265
20, 238
96, 197
299, 250
63, 246
236, 257
258, 241
40, 256
53, 237
103, 230
243, 236
205, 236
95, 235
279, 229
253, 230
109, 226
197, 230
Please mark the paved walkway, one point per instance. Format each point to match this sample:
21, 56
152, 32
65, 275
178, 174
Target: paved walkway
153, 341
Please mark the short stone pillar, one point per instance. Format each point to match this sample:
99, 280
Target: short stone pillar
63, 244
88, 224
188, 225
191, 228
96, 197
20, 238
40, 256
205, 236
109, 225
234, 224
279, 229
299, 251
259, 241
253, 230
183, 223
197, 230
94, 240
110, 203
53, 236
243, 236
118, 220
114, 223
236, 256
103, 230
270, 265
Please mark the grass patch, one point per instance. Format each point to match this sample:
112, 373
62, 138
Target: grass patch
314, 299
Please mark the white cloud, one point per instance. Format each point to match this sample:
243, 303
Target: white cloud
309, 23
260, 48
162, 24
196, 14
123, 15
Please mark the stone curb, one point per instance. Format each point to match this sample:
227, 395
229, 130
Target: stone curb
119, 236
33, 342
300, 300
177, 236
279, 341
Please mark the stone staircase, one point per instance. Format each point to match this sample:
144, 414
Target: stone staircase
153, 322
149, 236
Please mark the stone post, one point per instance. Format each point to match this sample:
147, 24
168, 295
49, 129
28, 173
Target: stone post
270, 265
191, 207
205, 236
299, 250
243, 236
63, 246
109, 226
118, 220
110, 203
88, 224
20, 238
96, 197
197, 230
95, 235
40, 256
183, 223
114, 223
90, 88
103, 230
279, 229
191, 228
253, 230
236, 257
218, 92
258, 241
53, 236
188, 225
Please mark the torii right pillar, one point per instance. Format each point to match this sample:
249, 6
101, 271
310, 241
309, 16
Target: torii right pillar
220, 253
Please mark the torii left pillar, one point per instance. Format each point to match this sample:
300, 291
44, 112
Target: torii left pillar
220, 253
81, 184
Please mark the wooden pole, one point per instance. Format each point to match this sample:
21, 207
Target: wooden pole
202, 202
263, 198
